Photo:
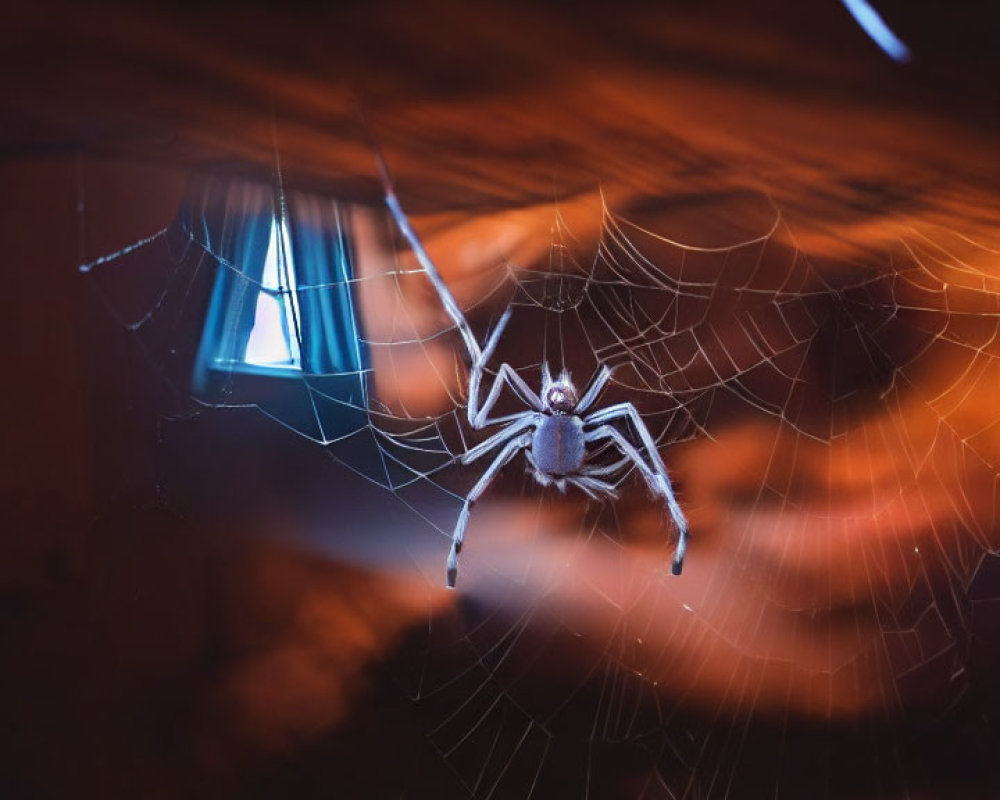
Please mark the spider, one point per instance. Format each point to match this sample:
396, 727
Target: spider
555, 432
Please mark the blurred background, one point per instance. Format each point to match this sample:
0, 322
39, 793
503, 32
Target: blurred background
199, 602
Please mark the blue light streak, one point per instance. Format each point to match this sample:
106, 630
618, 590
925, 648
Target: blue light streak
873, 24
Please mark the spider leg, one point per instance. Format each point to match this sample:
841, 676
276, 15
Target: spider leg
605, 470
627, 410
593, 390
458, 535
589, 474
478, 417
546, 376
477, 356
517, 424
444, 293
595, 489
656, 476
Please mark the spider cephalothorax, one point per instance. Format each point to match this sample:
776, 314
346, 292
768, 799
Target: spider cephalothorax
559, 396
554, 432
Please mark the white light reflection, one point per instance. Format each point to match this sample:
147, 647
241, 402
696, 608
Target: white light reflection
273, 340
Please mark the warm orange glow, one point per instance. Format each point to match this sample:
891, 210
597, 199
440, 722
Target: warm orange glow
835, 545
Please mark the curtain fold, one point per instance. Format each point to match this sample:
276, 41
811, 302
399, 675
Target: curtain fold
232, 220
322, 260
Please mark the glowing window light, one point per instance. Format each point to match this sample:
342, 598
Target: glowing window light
274, 338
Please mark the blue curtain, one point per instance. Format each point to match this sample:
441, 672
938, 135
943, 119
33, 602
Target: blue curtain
232, 219
322, 259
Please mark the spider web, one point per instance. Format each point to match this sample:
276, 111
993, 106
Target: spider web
829, 428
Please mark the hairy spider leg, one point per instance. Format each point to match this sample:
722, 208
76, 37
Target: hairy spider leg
458, 535
595, 488
477, 356
403, 223
656, 476
447, 298
505, 374
608, 469
518, 423
594, 390
620, 410
478, 416
588, 478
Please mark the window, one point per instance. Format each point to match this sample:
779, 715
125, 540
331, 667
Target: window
280, 328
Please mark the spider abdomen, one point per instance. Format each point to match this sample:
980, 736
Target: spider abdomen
557, 446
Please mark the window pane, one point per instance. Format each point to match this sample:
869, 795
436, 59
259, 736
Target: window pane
274, 338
